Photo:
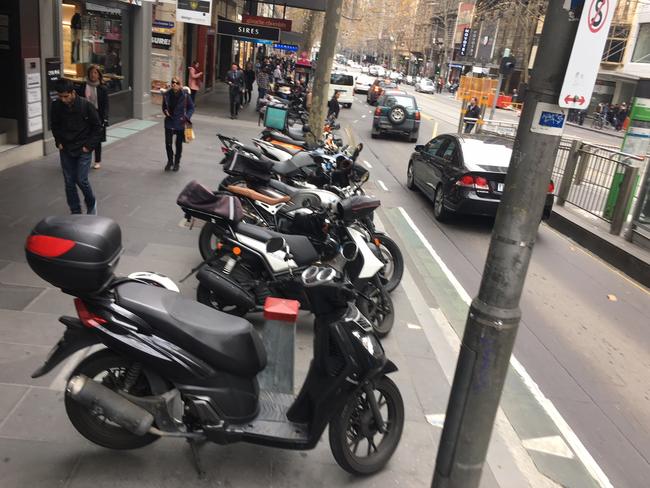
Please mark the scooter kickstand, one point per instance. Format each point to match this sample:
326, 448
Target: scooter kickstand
196, 457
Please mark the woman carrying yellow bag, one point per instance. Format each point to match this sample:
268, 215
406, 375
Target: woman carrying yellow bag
178, 109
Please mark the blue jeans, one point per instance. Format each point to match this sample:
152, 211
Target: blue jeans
75, 173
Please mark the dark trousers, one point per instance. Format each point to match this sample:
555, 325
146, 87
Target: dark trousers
75, 174
169, 135
98, 153
234, 102
247, 94
469, 126
193, 95
261, 93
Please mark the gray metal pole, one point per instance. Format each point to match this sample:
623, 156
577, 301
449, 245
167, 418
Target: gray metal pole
324, 68
496, 97
493, 318
569, 171
625, 191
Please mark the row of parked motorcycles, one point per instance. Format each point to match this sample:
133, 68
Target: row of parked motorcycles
289, 227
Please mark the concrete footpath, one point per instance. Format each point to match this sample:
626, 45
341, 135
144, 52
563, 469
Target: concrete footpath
38, 445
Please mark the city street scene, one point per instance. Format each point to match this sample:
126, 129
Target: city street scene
325, 243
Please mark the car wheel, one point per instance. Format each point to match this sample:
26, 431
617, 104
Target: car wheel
439, 211
410, 177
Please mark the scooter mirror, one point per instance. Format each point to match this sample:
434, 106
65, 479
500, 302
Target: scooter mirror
276, 244
349, 251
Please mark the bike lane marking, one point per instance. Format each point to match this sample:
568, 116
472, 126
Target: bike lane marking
532, 418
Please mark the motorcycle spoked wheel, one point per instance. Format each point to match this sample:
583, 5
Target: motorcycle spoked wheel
109, 369
241, 275
355, 441
377, 306
391, 274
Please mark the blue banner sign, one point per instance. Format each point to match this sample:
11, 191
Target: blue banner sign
286, 47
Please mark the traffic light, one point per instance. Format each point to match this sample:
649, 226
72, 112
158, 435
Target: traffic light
507, 65
437, 69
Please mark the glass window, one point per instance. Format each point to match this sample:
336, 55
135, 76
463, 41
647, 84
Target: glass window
407, 102
99, 34
341, 79
434, 146
450, 150
641, 52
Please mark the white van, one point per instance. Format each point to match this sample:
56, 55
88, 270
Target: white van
344, 83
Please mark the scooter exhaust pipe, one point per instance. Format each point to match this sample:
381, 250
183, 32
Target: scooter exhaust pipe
229, 291
113, 406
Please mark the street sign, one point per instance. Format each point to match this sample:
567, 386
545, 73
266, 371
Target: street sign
549, 119
194, 11
582, 71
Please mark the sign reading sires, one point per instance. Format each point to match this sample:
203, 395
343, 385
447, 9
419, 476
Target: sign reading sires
257, 32
582, 71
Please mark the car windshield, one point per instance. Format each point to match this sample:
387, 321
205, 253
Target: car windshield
427, 82
408, 102
341, 79
366, 80
387, 84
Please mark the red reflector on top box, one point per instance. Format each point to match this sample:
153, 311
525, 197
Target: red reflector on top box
281, 309
48, 247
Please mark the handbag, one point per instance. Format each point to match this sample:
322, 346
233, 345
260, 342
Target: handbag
188, 132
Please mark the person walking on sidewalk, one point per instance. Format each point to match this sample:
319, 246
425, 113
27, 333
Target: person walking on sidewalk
178, 109
235, 80
94, 90
196, 78
263, 83
473, 112
77, 131
249, 79
333, 106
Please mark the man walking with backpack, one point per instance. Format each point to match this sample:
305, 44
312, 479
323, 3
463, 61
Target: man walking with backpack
77, 131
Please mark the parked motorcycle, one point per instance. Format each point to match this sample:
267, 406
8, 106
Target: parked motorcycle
239, 274
172, 367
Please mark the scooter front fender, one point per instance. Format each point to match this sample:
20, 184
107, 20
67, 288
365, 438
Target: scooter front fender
75, 337
389, 367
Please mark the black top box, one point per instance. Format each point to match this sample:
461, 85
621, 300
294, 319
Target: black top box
77, 253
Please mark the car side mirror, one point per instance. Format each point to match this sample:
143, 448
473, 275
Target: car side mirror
419, 147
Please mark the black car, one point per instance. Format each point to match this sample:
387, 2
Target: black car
396, 113
464, 174
378, 88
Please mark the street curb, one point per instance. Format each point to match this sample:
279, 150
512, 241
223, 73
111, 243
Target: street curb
623, 260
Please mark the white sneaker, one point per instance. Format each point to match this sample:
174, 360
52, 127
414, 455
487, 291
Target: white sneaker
93, 211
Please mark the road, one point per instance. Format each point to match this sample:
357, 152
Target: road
584, 336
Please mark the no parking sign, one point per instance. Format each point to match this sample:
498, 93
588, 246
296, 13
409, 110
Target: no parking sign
582, 71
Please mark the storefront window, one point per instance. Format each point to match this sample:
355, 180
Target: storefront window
642, 48
97, 33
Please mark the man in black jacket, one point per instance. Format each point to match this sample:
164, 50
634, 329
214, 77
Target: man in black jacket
235, 80
77, 131
473, 112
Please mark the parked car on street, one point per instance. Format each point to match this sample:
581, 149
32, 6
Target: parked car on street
373, 70
365, 69
363, 83
377, 88
396, 113
409, 80
425, 86
464, 174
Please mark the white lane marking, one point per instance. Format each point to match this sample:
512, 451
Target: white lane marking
368, 165
437, 420
355, 121
363, 116
414, 326
576, 444
553, 445
383, 186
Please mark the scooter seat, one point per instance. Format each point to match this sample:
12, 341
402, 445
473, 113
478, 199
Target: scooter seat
301, 248
296, 134
283, 187
226, 342
279, 136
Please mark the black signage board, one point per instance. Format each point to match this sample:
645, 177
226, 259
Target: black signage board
249, 31
161, 41
52, 75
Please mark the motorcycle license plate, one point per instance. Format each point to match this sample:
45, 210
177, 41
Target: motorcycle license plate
500, 187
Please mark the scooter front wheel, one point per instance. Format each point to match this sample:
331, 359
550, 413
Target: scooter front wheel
356, 441
377, 306
391, 274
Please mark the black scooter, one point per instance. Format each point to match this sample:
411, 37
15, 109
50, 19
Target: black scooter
175, 368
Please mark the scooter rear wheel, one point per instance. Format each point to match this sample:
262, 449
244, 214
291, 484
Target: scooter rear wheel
391, 274
107, 368
379, 309
355, 441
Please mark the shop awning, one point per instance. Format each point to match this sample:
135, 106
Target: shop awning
307, 4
